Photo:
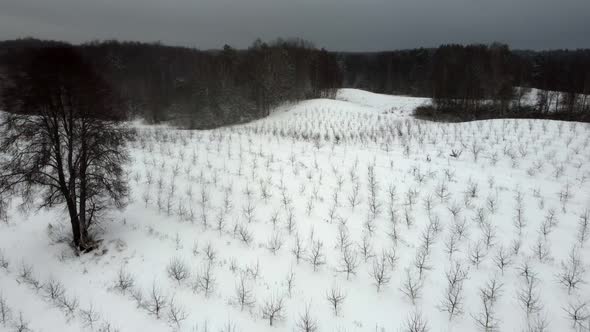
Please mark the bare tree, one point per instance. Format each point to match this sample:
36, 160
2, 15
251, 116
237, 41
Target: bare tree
411, 286
349, 261
254, 270
54, 290
453, 297
298, 249
416, 323
476, 253
572, 271
89, 317
210, 253
344, 241
519, 218
578, 314
3, 210
539, 323
515, 246
176, 314
306, 323
5, 312
273, 308
244, 234
492, 290
584, 227
21, 325
489, 234
177, 270
353, 198
486, 320
3, 261
528, 296
373, 186
451, 244
228, 327
157, 301
541, 249
442, 192
290, 282
275, 242
428, 237
71, 153
137, 296
366, 248
335, 296
68, 304
421, 262
502, 259
205, 280
380, 272
317, 256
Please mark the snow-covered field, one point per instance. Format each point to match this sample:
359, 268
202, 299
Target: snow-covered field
348, 210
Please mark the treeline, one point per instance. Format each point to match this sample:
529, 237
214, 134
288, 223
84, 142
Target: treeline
479, 81
201, 89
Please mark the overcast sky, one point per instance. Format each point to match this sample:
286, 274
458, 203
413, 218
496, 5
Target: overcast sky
349, 25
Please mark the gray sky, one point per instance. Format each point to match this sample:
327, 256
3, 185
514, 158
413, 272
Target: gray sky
350, 25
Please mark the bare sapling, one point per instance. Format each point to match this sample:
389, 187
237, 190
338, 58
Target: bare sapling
317, 256
453, 299
529, 297
275, 242
579, 314
176, 314
5, 311
366, 248
156, 301
89, 317
178, 270
348, 261
205, 280
298, 249
380, 271
411, 286
273, 308
502, 259
572, 271
421, 262
336, 297
244, 293
305, 322
416, 323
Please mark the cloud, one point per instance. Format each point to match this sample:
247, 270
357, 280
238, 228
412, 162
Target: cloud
359, 25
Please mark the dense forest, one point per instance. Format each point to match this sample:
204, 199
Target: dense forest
202, 89
479, 81
199, 89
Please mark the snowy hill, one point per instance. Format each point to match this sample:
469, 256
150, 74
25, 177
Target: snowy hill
400, 105
407, 220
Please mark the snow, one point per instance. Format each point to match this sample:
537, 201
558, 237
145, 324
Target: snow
301, 153
400, 105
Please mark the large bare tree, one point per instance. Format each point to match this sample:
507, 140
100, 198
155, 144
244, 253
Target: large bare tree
62, 139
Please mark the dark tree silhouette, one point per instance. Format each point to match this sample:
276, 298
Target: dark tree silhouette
62, 138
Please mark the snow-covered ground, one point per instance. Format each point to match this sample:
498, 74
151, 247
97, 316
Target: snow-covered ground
353, 180
387, 104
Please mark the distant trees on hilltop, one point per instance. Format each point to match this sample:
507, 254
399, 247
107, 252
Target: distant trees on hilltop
203, 89
479, 81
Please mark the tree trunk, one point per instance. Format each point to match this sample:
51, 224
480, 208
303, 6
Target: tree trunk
75, 224
83, 184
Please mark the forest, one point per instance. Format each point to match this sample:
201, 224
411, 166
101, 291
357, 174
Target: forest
206, 89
